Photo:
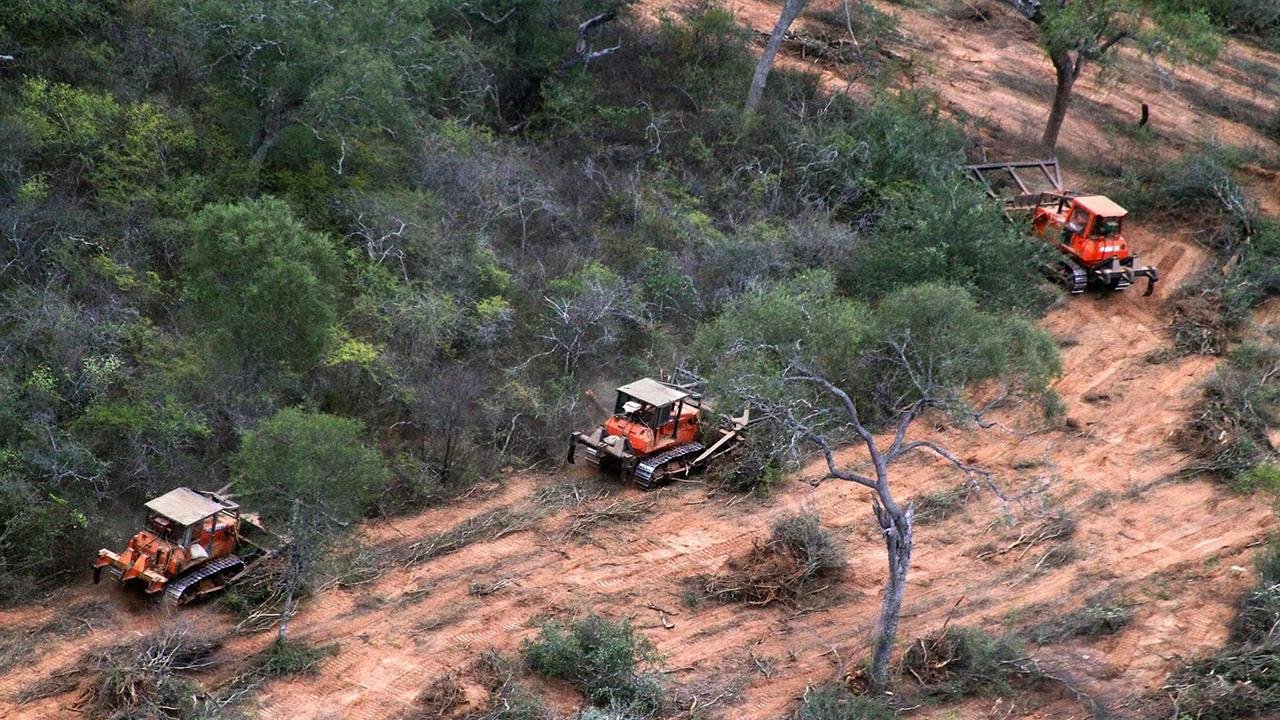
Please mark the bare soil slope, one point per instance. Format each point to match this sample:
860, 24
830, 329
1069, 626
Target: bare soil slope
1107, 484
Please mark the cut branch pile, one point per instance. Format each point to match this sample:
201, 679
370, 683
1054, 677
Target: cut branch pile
765, 575
800, 559
145, 678
282, 658
958, 661
1055, 528
486, 526
618, 511
439, 699
259, 596
1240, 681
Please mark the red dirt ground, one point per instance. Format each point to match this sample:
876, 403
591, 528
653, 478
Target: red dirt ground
1180, 549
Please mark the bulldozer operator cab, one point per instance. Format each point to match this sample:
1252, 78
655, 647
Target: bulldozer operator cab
651, 415
185, 517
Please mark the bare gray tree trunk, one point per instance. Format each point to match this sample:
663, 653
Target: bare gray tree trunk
790, 9
287, 612
897, 528
1067, 71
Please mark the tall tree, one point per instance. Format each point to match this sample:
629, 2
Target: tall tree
343, 71
262, 286
790, 10
309, 474
825, 370
1075, 33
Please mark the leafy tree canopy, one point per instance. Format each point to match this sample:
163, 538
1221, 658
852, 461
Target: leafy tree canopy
303, 463
261, 285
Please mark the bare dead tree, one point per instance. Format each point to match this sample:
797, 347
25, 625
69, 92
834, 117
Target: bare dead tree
582, 52
589, 322
913, 381
790, 10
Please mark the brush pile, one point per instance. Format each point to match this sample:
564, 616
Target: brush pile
961, 662
798, 560
147, 678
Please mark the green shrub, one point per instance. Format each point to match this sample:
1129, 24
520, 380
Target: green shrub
1262, 477
285, 658
834, 701
1194, 186
604, 659
1242, 17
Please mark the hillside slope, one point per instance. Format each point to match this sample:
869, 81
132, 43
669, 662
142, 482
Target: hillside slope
1179, 549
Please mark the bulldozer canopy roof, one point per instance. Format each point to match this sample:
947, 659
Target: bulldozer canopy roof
184, 506
652, 392
1101, 206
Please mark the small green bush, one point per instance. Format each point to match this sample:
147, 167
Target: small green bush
834, 701
1262, 477
606, 660
285, 658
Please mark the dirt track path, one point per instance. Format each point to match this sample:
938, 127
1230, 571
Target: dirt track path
1181, 549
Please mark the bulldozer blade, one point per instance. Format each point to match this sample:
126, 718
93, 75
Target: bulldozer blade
1152, 279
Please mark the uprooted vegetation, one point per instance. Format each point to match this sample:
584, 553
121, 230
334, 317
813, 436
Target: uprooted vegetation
155, 677
1230, 432
800, 558
148, 678
1048, 541
960, 662
608, 661
1240, 680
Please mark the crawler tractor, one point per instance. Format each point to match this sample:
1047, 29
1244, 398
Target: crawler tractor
654, 435
192, 543
1086, 229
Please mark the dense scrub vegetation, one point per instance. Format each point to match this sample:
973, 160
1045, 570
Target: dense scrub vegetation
441, 226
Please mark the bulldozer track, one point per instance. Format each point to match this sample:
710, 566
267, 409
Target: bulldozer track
647, 471
175, 590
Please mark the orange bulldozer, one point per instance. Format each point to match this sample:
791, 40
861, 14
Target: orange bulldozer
192, 543
1086, 229
656, 434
